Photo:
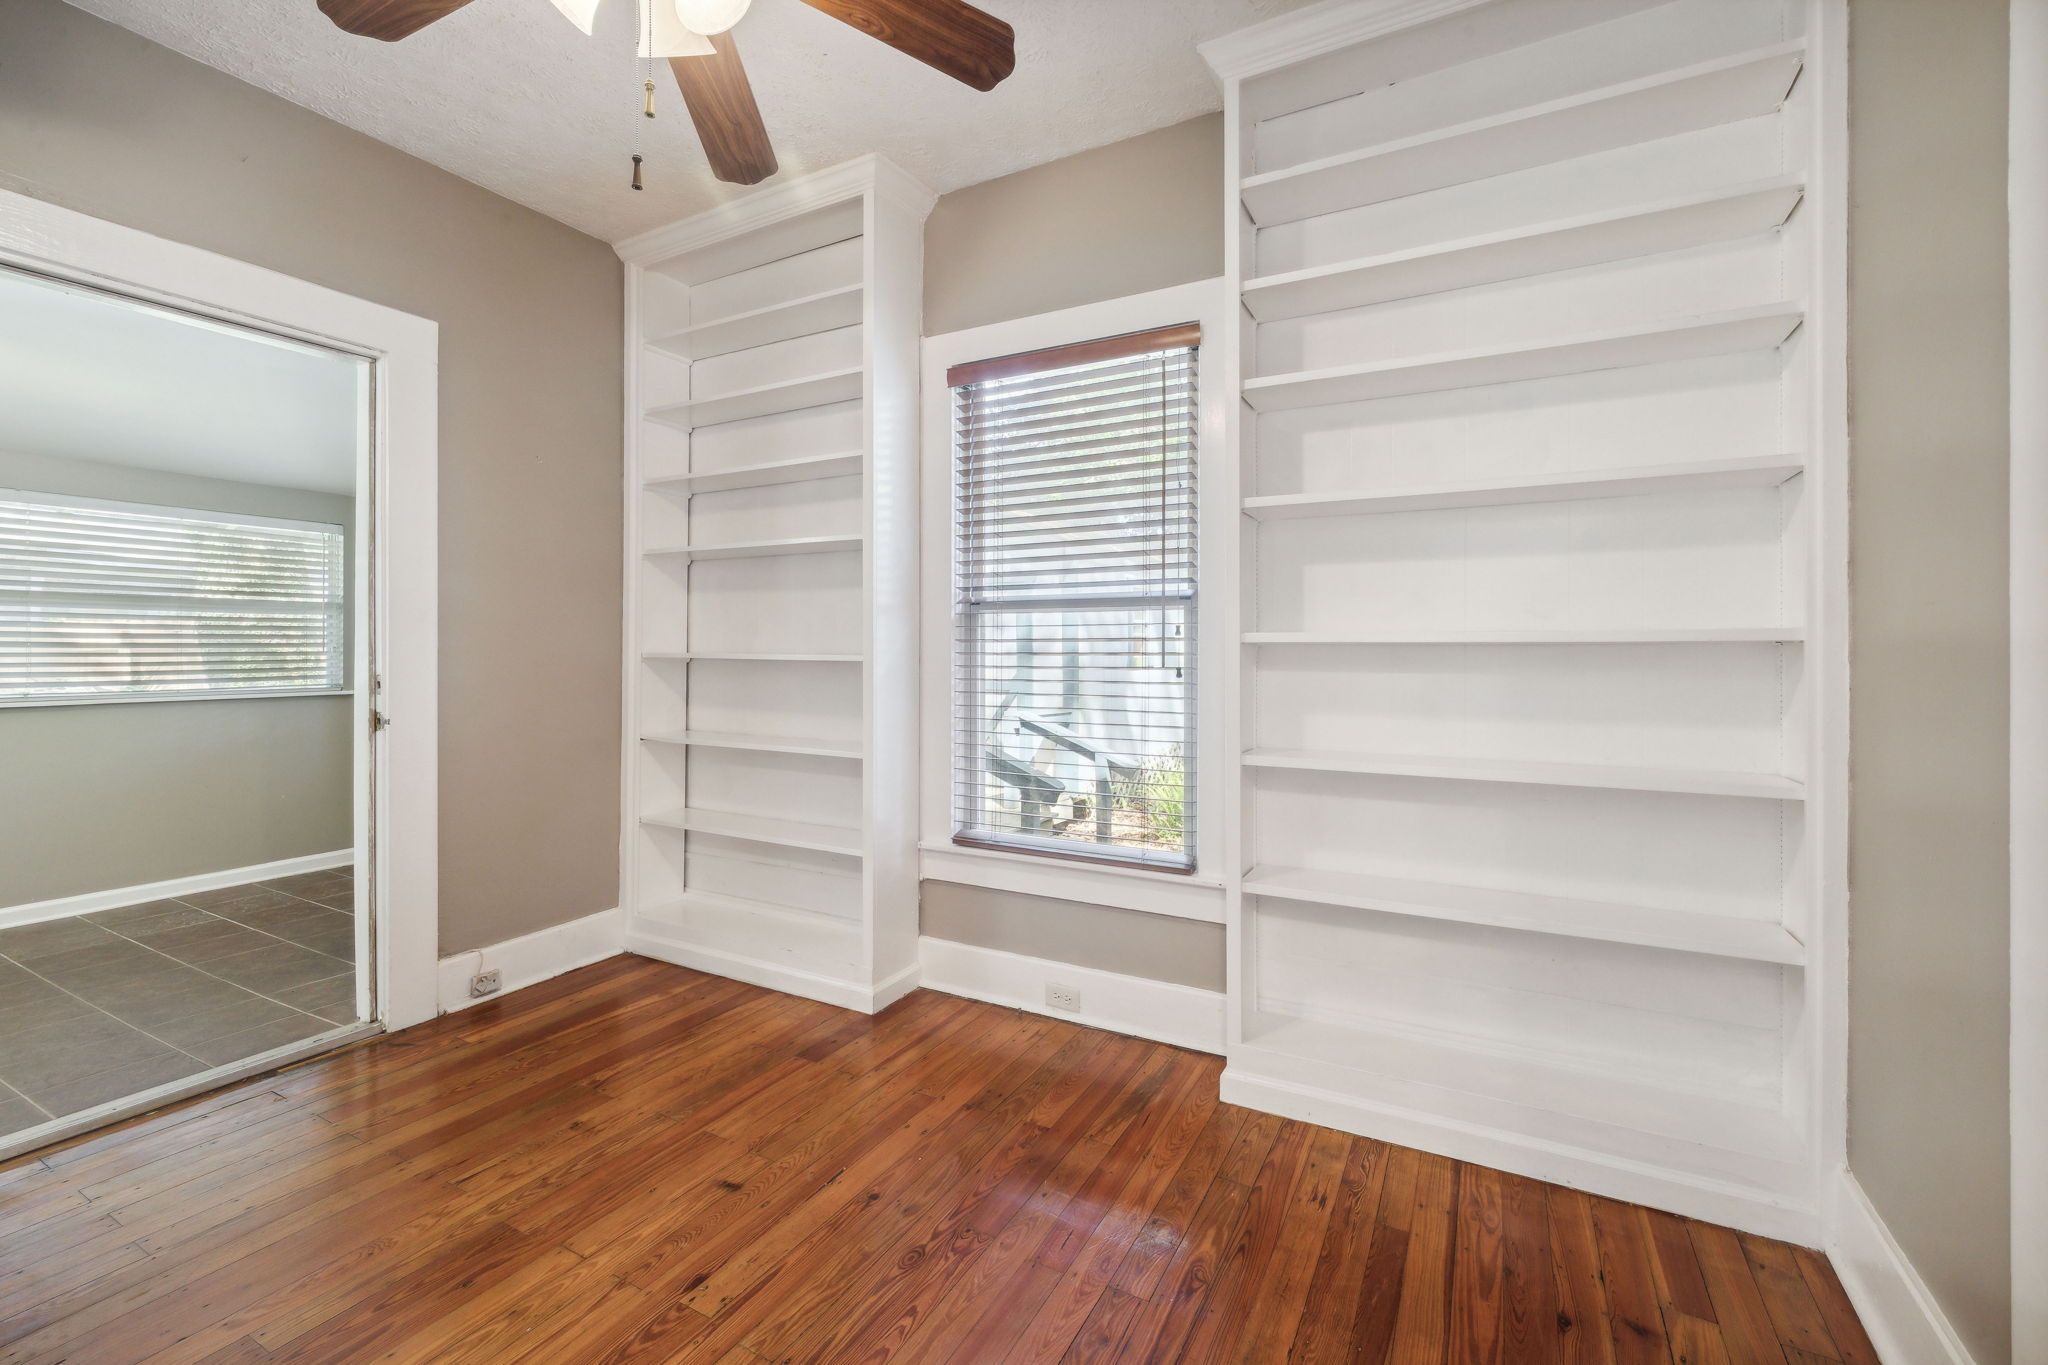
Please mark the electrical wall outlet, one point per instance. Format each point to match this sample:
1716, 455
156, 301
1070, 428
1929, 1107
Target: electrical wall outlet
485, 983
1062, 997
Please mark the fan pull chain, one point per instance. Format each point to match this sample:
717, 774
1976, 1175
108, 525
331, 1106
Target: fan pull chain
646, 85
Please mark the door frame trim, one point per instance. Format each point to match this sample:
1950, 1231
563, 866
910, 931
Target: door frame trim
397, 827
2027, 202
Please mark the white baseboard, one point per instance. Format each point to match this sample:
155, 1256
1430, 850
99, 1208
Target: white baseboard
828, 990
533, 958
1522, 1154
1162, 1011
1905, 1323
37, 911
898, 986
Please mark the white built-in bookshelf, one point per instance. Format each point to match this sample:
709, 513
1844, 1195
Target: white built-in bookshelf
771, 477
1537, 856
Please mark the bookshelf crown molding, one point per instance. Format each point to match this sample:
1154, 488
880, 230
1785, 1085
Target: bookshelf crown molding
891, 187
1310, 32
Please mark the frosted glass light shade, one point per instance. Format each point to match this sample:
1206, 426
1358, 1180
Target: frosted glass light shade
582, 13
669, 37
710, 16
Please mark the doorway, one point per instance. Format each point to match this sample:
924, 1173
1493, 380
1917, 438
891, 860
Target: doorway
180, 625
207, 867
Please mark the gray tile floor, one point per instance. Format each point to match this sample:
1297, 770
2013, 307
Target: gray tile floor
104, 1005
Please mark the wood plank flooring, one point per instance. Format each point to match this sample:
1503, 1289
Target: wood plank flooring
637, 1162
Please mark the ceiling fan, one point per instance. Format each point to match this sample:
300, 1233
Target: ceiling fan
968, 44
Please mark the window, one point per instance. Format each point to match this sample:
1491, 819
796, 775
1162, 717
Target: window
1074, 600
109, 601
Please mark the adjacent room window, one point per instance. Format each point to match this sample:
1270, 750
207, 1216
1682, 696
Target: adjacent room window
1074, 600
112, 601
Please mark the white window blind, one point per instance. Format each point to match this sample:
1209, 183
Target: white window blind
106, 600
1074, 600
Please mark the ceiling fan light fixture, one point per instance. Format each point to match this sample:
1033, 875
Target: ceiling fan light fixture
663, 35
709, 16
582, 13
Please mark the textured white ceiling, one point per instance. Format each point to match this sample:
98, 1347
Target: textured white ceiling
508, 94
93, 378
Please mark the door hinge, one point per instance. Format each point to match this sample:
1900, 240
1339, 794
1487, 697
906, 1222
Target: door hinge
379, 721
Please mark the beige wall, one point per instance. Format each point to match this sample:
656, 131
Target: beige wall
1187, 952
1135, 215
96, 119
1141, 214
104, 796
1928, 999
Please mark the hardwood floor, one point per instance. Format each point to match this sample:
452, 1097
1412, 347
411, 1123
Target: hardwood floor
638, 1162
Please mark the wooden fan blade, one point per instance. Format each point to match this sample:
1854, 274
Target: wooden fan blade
387, 19
721, 101
967, 44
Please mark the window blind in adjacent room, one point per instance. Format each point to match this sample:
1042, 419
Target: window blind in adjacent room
102, 600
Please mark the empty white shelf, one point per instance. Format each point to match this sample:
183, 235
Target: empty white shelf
1687, 931
1566, 635
751, 247
761, 829
1566, 244
760, 475
767, 744
1748, 85
688, 656
764, 326
1711, 334
1691, 781
750, 549
1697, 476
1575, 1102
836, 386
737, 930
